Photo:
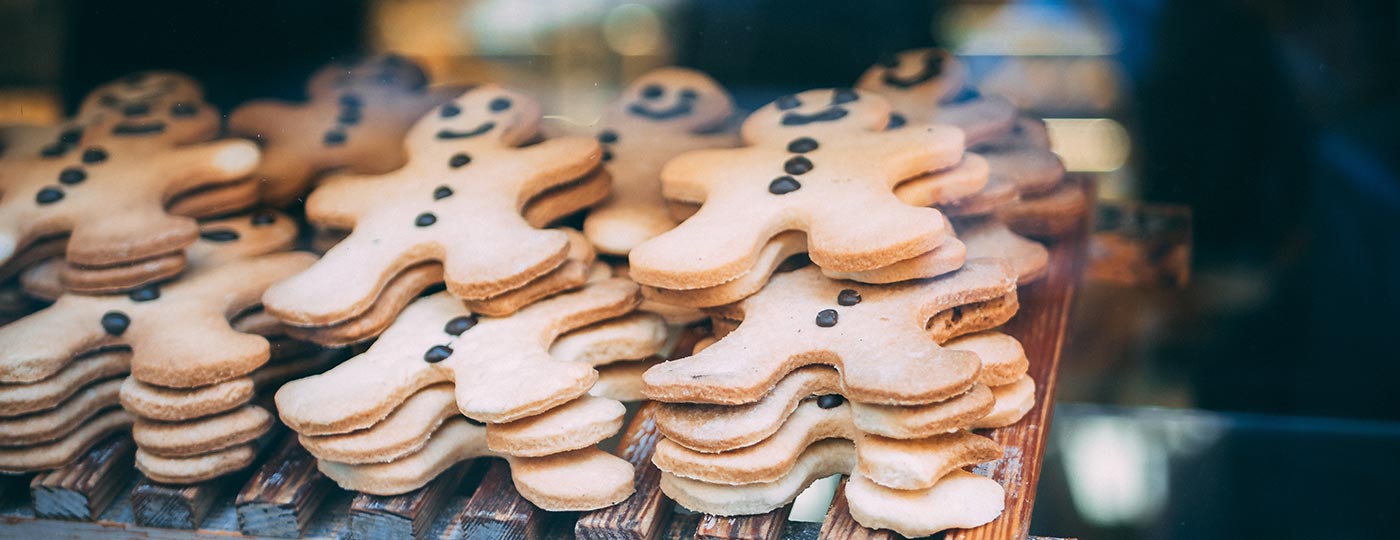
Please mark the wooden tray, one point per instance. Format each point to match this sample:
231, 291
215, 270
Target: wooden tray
286, 497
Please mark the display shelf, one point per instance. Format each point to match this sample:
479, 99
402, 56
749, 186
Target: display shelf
286, 497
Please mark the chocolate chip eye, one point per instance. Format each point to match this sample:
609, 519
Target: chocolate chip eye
183, 110
689, 94
264, 218
425, 219
896, 121
94, 155
788, 102
450, 110
219, 235
607, 136
889, 61
499, 104
652, 91
844, 95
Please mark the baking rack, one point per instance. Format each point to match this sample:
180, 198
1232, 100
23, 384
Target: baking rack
100, 496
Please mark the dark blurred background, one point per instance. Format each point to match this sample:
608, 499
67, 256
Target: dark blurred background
1245, 154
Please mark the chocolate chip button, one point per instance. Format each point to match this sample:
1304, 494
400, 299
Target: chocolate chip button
788, 102
349, 117
450, 110
826, 318
607, 136
783, 185
94, 155
607, 156
72, 175
425, 219
264, 218
457, 325
53, 150
183, 110
896, 121
115, 322
49, 195
70, 136
802, 145
830, 401
967, 94
798, 165
844, 95
219, 235
334, 138
459, 160
442, 192
144, 294
437, 354
848, 297
351, 101
499, 104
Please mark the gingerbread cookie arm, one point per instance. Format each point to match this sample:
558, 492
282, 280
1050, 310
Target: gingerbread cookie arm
844, 245
41, 344
208, 164
534, 169
707, 249
260, 119
518, 252
346, 281
342, 199
142, 231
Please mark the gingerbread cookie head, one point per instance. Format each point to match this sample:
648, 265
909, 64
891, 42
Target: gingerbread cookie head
677, 98
916, 78
485, 116
816, 112
391, 72
151, 105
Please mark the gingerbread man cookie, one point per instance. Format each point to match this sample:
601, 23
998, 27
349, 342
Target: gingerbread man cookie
661, 115
930, 86
354, 120
110, 196
458, 201
179, 334
501, 367
876, 334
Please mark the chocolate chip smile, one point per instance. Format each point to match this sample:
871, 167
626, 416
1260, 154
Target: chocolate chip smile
126, 129
830, 114
933, 67
449, 134
683, 107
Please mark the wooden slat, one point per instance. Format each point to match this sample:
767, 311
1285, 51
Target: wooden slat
1040, 325
760, 527
839, 525
403, 516
643, 515
166, 506
498, 511
283, 494
84, 488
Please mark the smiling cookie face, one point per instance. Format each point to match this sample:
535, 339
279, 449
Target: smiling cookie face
817, 111
151, 105
928, 76
485, 115
389, 71
676, 97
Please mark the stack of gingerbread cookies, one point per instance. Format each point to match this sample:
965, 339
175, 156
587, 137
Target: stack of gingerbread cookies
875, 360
501, 363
